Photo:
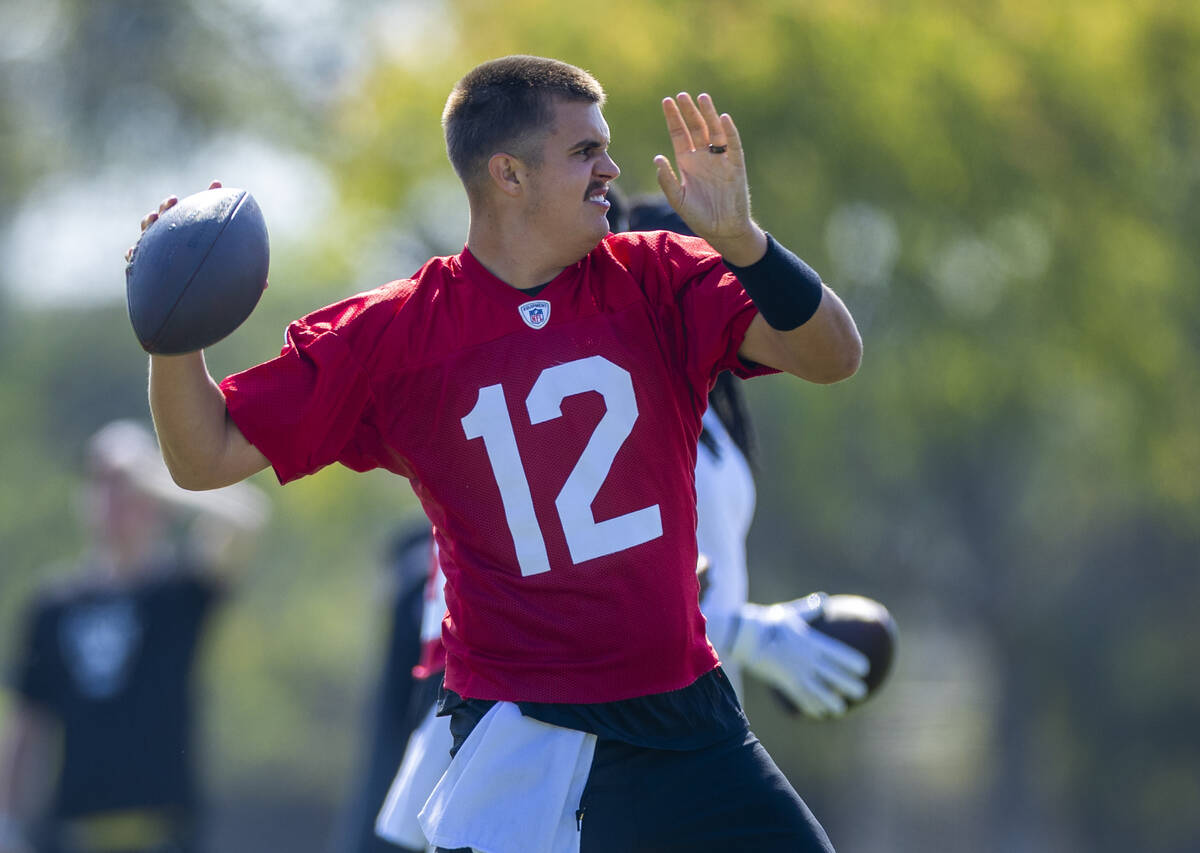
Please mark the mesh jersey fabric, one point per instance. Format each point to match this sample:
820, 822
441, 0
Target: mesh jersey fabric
725, 499
555, 461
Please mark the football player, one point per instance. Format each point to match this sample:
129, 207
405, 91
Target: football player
107, 660
542, 391
814, 673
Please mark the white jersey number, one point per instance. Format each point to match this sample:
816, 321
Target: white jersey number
586, 537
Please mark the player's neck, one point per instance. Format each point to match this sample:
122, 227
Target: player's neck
127, 553
515, 263
513, 249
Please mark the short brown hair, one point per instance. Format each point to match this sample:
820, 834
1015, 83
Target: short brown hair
503, 103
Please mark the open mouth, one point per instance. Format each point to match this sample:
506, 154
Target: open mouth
597, 195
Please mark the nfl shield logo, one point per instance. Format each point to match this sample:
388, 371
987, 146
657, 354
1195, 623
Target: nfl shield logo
536, 313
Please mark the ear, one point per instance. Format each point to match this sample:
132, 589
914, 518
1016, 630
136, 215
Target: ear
507, 173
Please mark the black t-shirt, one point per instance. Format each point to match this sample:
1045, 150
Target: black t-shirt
113, 666
397, 696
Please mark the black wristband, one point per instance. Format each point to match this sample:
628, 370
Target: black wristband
784, 289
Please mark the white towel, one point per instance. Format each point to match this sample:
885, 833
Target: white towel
513, 787
425, 760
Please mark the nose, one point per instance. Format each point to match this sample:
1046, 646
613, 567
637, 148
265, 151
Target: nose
607, 168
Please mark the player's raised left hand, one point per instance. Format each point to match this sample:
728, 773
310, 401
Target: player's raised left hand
710, 190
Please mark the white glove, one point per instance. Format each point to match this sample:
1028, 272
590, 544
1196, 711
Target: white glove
815, 671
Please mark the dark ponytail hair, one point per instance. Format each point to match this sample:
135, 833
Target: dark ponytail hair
729, 404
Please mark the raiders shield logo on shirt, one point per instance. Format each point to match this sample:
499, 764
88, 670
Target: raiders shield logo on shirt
536, 313
100, 641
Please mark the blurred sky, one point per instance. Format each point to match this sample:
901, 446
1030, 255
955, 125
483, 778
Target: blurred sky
66, 241
97, 217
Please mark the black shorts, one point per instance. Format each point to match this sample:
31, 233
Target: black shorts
724, 798
678, 771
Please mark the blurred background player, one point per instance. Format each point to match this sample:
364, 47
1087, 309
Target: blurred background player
813, 672
406, 686
98, 752
427, 754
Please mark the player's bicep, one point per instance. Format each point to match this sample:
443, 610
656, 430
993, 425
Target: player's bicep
761, 345
827, 348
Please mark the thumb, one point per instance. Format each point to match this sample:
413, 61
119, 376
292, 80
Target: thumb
667, 181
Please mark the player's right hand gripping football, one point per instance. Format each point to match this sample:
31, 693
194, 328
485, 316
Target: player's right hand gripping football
152, 217
818, 673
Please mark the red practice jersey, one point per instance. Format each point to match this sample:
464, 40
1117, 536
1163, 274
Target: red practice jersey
551, 441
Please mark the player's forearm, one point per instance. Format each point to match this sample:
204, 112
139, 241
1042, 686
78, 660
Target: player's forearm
191, 421
803, 327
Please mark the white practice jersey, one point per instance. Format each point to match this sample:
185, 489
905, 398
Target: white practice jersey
725, 500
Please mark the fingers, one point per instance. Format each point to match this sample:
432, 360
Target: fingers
811, 606
734, 140
668, 181
820, 674
167, 203
831, 703
815, 699
840, 654
677, 128
825, 690
840, 666
846, 684
695, 124
692, 125
712, 122
150, 218
163, 206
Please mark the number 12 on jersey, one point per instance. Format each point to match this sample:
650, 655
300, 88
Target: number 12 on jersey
586, 538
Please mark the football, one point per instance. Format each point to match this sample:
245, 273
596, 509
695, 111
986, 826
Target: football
866, 625
197, 273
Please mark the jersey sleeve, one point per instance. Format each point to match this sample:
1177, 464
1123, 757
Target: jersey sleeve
717, 312
312, 405
715, 309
